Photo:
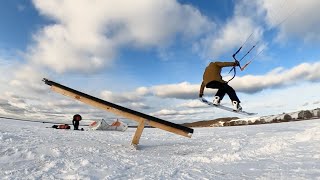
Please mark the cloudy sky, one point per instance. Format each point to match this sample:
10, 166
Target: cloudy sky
149, 55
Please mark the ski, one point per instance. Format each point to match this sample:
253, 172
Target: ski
226, 108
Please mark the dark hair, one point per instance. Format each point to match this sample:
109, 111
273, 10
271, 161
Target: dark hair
77, 117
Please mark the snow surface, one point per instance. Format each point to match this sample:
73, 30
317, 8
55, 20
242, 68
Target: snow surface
291, 150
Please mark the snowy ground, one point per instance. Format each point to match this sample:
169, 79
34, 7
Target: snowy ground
273, 151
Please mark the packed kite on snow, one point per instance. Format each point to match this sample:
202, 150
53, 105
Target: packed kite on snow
104, 126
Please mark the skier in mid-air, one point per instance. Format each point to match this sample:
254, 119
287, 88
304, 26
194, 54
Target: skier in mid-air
212, 79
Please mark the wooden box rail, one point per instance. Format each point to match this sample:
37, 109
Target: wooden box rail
141, 118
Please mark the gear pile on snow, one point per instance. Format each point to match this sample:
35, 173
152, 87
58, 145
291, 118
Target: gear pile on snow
104, 126
61, 126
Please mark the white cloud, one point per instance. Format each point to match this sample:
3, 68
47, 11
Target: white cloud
120, 97
27, 78
182, 90
193, 104
20, 79
232, 34
86, 35
276, 78
165, 112
24, 94
139, 105
316, 102
292, 19
298, 17
59, 49
169, 112
142, 91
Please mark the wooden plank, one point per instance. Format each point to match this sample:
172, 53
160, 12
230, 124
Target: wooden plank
120, 112
168, 128
120, 108
137, 135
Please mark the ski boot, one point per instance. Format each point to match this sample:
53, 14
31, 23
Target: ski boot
236, 106
216, 101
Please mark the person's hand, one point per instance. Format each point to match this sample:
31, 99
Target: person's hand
200, 95
236, 63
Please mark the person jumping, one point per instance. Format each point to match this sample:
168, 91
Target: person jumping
212, 79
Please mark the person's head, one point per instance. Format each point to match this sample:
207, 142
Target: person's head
77, 117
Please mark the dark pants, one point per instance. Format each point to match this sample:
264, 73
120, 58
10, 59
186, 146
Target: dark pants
75, 124
223, 88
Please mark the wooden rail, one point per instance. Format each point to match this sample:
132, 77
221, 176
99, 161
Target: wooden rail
142, 119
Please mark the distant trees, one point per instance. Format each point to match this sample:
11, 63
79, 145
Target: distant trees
235, 121
284, 117
305, 115
287, 118
316, 112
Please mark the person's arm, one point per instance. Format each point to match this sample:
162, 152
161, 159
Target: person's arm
226, 64
201, 89
73, 122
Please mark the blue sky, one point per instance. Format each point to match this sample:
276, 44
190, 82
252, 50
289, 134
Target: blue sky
150, 55
18, 20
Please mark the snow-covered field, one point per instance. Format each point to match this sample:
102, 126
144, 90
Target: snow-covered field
28, 150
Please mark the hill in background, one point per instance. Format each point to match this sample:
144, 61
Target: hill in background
235, 121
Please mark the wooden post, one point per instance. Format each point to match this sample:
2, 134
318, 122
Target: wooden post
137, 135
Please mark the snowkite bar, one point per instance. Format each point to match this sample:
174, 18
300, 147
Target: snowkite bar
142, 119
